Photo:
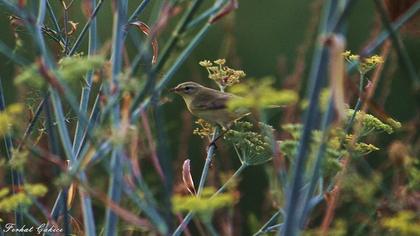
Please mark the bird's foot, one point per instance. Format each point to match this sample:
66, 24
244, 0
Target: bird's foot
212, 143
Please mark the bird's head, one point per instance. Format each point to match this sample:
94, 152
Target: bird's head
187, 89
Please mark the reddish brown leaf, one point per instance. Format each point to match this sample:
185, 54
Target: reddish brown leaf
187, 178
146, 30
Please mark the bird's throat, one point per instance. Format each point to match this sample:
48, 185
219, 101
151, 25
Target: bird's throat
188, 100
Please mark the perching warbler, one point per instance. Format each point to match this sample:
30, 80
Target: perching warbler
209, 104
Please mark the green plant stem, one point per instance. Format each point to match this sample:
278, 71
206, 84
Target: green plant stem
84, 99
318, 161
138, 10
207, 163
65, 30
15, 176
58, 111
234, 176
316, 77
269, 223
32, 123
357, 106
86, 205
54, 20
76, 44
79, 136
203, 16
115, 178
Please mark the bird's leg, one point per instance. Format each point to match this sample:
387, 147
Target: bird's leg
213, 142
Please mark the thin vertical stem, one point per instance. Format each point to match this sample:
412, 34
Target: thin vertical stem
84, 99
318, 71
358, 104
318, 161
76, 44
115, 179
207, 163
140, 8
66, 19
15, 177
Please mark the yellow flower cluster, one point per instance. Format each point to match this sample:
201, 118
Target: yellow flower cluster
205, 204
19, 159
253, 148
205, 129
371, 123
359, 148
23, 198
71, 69
221, 74
8, 117
366, 64
404, 223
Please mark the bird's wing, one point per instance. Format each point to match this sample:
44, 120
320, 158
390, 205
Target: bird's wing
212, 102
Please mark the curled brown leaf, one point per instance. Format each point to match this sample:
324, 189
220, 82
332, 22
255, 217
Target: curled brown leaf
146, 30
187, 178
73, 27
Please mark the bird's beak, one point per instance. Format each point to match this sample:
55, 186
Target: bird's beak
175, 89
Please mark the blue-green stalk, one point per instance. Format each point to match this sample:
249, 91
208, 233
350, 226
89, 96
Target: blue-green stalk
115, 178
317, 74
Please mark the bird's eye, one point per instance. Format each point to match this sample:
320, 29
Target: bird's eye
187, 88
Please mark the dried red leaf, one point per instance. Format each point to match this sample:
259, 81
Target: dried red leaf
187, 178
146, 30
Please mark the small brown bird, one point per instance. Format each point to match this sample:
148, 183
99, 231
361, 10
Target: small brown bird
209, 104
